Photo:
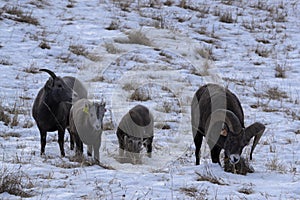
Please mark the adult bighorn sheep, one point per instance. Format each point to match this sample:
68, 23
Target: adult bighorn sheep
217, 114
135, 130
86, 124
52, 106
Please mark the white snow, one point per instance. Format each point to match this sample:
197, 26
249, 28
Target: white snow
96, 41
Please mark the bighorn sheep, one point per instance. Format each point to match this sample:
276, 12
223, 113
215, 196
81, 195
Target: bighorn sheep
217, 114
52, 106
86, 119
135, 131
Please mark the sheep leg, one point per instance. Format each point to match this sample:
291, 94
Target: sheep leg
43, 141
215, 154
198, 142
61, 135
121, 139
90, 149
149, 147
79, 145
71, 140
96, 148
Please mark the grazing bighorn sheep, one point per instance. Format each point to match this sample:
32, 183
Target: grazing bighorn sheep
52, 106
135, 131
217, 114
86, 124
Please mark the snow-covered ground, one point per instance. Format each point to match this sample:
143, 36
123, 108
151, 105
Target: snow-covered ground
156, 53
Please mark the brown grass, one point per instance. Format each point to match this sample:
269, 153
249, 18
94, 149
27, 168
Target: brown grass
275, 94
10, 134
111, 48
80, 50
15, 182
246, 189
4, 117
280, 71
138, 37
227, 18
210, 177
194, 193
15, 13
32, 69
141, 94
275, 165
263, 51
114, 25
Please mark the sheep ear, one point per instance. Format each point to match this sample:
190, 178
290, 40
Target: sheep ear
255, 130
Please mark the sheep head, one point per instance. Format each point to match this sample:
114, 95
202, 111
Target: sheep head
95, 112
237, 137
57, 89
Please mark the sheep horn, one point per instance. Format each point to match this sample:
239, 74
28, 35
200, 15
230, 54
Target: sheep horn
255, 130
51, 73
221, 115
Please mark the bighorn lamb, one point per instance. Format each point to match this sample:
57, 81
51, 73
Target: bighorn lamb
135, 131
52, 106
217, 114
86, 119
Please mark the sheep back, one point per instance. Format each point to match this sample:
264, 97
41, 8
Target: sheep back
212, 97
138, 122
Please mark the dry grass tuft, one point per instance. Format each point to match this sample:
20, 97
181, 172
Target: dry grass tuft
275, 94
275, 165
280, 71
4, 117
15, 13
138, 37
194, 193
10, 134
263, 51
210, 177
67, 165
32, 69
206, 52
15, 182
246, 189
227, 18
141, 94
80, 50
114, 25
204, 71
111, 48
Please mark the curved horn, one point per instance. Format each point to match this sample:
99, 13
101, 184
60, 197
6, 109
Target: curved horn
257, 129
227, 116
51, 73
221, 115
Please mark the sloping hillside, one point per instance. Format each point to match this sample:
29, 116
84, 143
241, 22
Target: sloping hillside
156, 53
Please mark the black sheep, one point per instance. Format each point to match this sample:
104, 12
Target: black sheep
135, 131
52, 106
217, 114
